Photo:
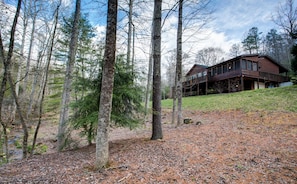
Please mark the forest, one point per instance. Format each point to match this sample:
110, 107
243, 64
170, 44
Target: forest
60, 67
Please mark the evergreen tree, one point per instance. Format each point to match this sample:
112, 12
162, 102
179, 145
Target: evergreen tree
252, 42
126, 100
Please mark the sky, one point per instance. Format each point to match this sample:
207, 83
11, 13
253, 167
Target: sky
230, 22
234, 18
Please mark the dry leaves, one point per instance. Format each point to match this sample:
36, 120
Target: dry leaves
228, 147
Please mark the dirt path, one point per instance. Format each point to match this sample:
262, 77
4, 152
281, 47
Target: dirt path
228, 147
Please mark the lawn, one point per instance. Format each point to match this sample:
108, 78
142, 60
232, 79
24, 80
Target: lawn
274, 99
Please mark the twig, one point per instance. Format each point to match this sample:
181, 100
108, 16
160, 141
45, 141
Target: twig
126, 177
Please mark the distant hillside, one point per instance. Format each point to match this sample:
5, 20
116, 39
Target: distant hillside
275, 99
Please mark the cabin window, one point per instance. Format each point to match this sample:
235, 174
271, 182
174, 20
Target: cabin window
249, 65
219, 70
237, 65
225, 68
243, 64
199, 74
204, 73
255, 66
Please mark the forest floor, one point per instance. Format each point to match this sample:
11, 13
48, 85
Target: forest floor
224, 147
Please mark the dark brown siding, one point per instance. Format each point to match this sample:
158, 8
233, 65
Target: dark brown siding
196, 69
267, 66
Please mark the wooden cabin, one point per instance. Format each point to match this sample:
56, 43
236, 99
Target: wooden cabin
245, 72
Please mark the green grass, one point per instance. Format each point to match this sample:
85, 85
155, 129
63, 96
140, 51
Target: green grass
275, 99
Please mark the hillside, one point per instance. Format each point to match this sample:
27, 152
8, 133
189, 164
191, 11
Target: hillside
274, 99
235, 145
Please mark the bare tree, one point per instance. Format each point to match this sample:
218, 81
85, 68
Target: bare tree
105, 104
51, 45
156, 108
2, 91
209, 56
130, 24
64, 114
149, 78
25, 21
178, 75
235, 50
286, 17
7, 76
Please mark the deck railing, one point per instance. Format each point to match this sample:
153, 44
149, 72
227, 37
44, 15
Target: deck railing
237, 73
273, 77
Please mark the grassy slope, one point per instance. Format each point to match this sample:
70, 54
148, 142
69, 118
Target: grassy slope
276, 99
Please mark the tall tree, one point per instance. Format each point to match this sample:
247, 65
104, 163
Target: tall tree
105, 104
209, 56
178, 76
156, 108
130, 24
64, 114
252, 41
286, 18
25, 20
274, 44
149, 78
234, 50
51, 45
7, 76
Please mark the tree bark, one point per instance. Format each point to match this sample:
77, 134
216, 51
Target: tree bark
156, 109
105, 104
130, 23
149, 78
64, 114
179, 64
2, 91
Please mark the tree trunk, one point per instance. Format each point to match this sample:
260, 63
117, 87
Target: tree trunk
64, 114
2, 91
179, 64
30, 50
17, 86
18, 107
36, 75
105, 104
46, 77
130, 23
149, 78
156, 109
7, 66
174, 101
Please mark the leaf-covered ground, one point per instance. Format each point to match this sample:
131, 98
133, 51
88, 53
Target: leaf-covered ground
227, 147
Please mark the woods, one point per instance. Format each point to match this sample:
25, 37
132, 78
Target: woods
61, 65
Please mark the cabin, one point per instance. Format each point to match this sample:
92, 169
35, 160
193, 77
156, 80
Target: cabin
245, 72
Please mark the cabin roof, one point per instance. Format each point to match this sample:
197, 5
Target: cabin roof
194, 66
281, 67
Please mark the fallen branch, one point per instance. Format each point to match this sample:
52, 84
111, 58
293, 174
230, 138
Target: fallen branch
126, 177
